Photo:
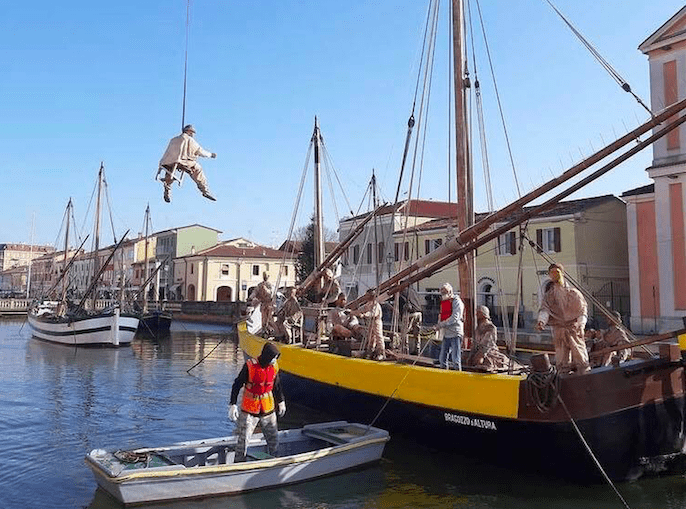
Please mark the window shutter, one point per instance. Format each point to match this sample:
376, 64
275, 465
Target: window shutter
396, 249
557, 240
513, 243
539, 240
427, 246
406, 251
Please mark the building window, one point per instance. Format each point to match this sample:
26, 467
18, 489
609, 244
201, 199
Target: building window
225, 269
255, 270
356, 254
396, 251
345, 257
191, 268
369, 254
285, 270
507, 244
548, 240
431, 245
380, 252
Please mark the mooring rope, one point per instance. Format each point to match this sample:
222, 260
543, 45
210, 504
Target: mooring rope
590, 452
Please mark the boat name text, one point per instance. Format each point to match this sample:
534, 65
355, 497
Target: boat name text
470, 421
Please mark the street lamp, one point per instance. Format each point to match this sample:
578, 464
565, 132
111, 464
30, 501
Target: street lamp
238, 280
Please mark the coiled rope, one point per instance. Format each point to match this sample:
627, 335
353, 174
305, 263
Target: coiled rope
543, 388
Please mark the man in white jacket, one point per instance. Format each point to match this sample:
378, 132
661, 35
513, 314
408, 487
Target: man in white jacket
184, 151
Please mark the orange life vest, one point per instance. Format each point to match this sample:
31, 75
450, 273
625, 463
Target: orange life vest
257, 395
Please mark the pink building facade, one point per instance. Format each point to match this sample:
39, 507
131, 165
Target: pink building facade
655, 213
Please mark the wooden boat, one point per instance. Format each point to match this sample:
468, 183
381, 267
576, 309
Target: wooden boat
204, 468
630, 417
155, 323
109, 327
152, 322
62, 322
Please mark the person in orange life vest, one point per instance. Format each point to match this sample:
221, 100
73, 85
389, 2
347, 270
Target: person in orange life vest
451, 323
262, 400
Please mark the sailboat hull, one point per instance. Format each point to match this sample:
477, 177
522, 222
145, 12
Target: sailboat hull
631, 417
108, 329
155, 323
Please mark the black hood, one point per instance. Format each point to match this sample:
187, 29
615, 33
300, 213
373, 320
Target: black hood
269, 352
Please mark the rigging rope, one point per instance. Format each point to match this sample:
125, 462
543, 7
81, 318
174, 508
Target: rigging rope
497, 95
590, 452
185, 63
604, 63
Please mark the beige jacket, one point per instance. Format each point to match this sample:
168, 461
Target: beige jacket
183, 149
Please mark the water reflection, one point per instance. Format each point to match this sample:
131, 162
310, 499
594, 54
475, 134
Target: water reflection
58, 402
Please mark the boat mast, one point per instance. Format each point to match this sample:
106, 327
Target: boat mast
66, 250
145, 258
318, 215
96, 233
463, 167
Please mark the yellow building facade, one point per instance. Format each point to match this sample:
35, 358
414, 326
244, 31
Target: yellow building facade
588, 236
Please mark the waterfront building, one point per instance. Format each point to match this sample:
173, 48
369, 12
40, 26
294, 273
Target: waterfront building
175, 243
588, 236
373, 251
655, 213
228, 271
16, 255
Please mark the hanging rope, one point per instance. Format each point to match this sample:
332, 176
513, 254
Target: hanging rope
185, 62
497, 95
604, 63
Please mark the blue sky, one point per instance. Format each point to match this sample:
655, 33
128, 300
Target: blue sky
85, 82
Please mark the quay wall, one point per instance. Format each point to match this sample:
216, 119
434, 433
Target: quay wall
212, 312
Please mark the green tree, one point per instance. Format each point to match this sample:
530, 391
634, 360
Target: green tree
305, 262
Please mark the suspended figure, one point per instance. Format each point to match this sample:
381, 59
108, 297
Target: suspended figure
182, 154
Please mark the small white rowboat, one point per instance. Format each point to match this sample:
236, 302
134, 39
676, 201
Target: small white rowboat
205, 468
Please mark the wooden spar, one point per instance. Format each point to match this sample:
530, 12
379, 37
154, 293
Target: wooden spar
96, 232
145, 257
484, 224
452, 250
474, 231
463, 167
149, 278
460, 250
337, 252
94, 283
638, 342
66, 268
318, 214
66, 253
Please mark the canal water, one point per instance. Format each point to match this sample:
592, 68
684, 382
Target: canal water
57, 403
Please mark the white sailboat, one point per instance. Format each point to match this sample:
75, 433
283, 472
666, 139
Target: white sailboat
62, 322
